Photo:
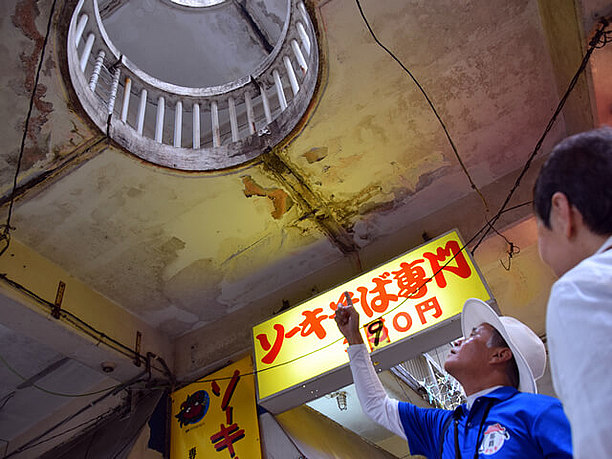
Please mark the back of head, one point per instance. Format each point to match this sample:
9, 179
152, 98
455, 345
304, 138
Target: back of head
580, 167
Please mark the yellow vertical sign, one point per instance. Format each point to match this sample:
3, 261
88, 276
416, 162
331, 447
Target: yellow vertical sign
216, 417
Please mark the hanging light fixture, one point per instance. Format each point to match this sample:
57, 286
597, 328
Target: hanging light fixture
340, 397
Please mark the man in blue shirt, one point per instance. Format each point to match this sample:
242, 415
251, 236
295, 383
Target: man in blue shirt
497, 363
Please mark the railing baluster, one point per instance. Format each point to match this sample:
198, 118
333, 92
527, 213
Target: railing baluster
141, 111
249, 110
304, 37
231, 103
113, 92
299, 56
279, 90
214, 118
80, 28
196, 125
178, 123
93, 80
295, 87
159, 120
87, 51
266, 104
302, 9
127, 92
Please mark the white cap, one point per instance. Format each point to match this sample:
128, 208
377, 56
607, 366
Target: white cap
527, 348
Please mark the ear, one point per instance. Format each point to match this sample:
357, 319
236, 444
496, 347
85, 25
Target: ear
562, 217
501, 355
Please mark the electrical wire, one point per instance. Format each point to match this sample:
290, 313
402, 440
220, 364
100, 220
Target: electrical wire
31, 443
59, 394
599, 40
127, 443
97, 420
429, 102
204, 379
319, 349
7, 398
79, 324
602, 37
5, 229
100, 419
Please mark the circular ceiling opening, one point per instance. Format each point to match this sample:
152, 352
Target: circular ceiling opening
229, 111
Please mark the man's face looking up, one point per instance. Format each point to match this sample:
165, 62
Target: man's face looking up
470, 355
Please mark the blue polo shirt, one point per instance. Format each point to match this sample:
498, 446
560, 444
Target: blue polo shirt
518, 425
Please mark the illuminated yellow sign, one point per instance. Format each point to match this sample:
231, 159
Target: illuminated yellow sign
409, 294
216, 417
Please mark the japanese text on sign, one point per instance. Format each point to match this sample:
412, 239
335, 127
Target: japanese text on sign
217, 418
408, 294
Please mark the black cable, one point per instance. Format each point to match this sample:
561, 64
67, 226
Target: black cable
486, 228
593, 44
128, 442
98, 420
517, 206
6, 399
91, 441
59, 394
6, 228
431, 105
81, 325
429, 279
295, 359
33, 442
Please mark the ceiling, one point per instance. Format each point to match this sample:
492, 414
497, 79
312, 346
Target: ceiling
193, 260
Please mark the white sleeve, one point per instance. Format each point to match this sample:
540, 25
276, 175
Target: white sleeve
579, 326
374, 401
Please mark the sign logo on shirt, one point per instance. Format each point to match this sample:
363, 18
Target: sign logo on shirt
494, 438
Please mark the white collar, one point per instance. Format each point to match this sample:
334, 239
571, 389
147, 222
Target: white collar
472, 398
606, 245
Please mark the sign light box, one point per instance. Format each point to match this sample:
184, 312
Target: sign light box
216, 417
406, 306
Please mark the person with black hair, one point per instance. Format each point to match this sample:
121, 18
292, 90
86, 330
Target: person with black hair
497, 363
573, 208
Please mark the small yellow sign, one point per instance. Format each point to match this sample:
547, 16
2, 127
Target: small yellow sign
216, 417
411, 293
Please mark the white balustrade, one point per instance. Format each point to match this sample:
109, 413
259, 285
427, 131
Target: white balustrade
113, 92
159, 119
249, 110
299, 56
196, 125
214, 118
87, 51
231, 103
280, 93
79, 30
93, 80
304, 38
295, 87
292, 58
178, 123
266, 104
302, 10
141, 111
127, 91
